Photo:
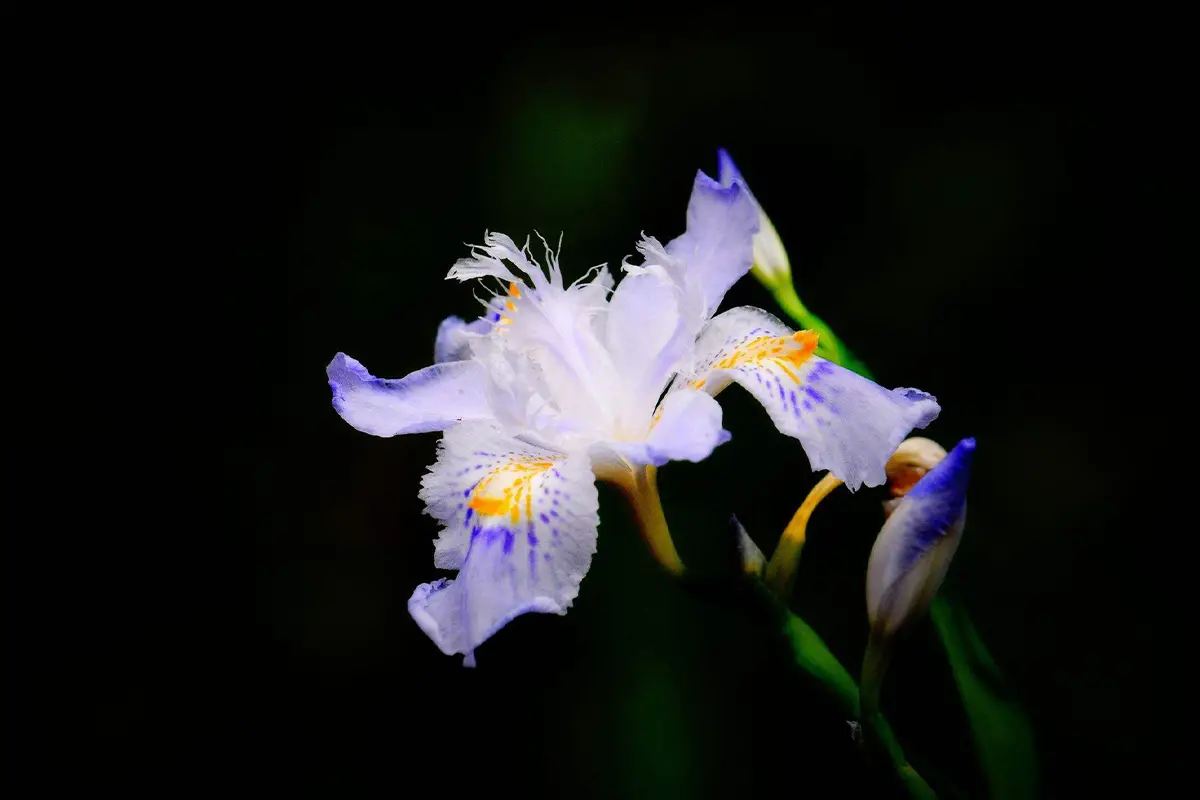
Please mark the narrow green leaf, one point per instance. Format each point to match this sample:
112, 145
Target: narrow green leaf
814, 657
1002, 730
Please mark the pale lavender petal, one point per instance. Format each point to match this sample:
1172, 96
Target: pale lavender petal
430, 399
717, 247
519, 525
454, 336
847, 424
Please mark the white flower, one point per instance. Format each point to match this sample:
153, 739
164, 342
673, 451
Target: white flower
558, 384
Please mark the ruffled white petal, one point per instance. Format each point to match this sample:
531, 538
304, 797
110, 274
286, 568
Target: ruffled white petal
430, 399
488, 260
846, 423
556, 332
519, 525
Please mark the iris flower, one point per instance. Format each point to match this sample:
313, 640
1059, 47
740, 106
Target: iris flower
556, 385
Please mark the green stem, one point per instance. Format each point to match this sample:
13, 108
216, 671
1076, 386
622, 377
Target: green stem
811, 654
912, 780
876, 730
875, 663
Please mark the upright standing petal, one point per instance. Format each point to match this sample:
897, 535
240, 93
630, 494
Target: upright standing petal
846, 423
647, 337
771, 265
713, 252
915, 545
430, 399
519, 525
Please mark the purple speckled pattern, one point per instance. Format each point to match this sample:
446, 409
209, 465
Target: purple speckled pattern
846, 423
521, 541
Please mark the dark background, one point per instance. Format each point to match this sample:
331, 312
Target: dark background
943, 186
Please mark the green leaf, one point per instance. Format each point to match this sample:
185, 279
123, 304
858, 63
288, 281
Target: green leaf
814, 657
1002, 730
811, 654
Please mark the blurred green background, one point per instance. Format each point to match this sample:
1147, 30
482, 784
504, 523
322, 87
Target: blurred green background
939, 184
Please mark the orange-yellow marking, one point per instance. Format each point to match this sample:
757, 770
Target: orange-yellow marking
517, 475
515, 511
515, 292
783, 350
489, 506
